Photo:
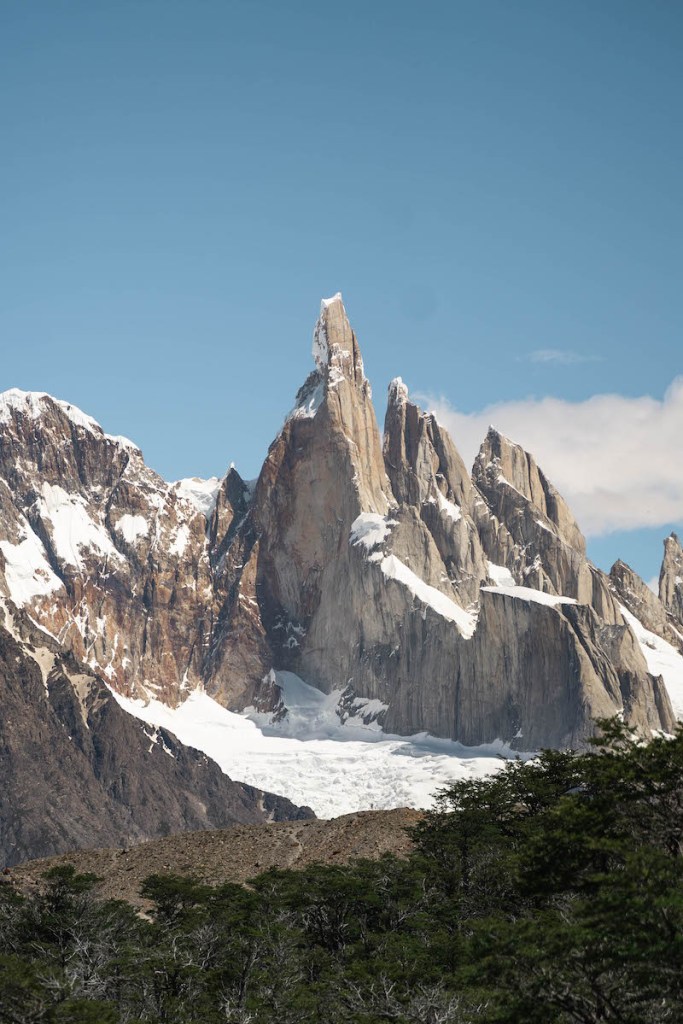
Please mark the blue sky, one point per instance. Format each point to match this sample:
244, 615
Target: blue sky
485, 181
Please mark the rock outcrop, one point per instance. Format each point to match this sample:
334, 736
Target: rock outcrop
110, 559
641, 602
671, 579
428, 475
323, 470
548, 550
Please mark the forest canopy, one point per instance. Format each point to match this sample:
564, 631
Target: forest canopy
548, 894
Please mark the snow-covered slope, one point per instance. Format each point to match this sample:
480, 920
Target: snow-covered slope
662, 659
331, 765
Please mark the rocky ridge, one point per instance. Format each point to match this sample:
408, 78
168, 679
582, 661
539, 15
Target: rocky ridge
234, 855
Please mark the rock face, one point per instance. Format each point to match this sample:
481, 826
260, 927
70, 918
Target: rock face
427, 474
542, 545
78, 771
322, 471
374, 566
671, 578
639, 599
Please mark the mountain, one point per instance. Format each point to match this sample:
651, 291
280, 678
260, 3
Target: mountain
371, 566
368, 569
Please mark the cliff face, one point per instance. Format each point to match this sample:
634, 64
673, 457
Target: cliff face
641, 602
374, 566
542, 545
671, 579
323, 471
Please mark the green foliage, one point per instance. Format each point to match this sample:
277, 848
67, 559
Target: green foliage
549, 894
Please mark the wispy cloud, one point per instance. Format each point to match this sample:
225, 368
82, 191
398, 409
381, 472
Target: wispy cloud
615, 459
558, 356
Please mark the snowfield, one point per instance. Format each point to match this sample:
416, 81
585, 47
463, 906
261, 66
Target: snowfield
662, 660
313, 758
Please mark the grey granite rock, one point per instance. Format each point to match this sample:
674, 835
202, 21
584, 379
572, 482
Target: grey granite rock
671, 578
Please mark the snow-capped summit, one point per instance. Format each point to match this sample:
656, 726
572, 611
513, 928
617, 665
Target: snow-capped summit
35, 404
95, 543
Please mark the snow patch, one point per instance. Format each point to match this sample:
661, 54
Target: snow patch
73, 529
452, 510
320, 347
203, 494
544, 525
27, 570
309, 399
180, 541
398, 391
395, 569
529, 594
501, 576
131, 527
662, 659
370, 530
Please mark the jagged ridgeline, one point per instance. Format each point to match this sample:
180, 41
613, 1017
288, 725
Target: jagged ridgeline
461, 604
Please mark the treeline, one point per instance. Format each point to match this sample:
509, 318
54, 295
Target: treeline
549, 894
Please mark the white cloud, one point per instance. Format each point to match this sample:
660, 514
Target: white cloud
559, 356
653, 584
616, 460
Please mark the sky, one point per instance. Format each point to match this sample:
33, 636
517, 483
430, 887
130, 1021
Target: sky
494, 187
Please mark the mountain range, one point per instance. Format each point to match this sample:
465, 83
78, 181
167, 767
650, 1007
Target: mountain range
370, 567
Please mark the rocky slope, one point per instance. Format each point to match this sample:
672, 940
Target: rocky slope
77, 770
373, 566
236, 854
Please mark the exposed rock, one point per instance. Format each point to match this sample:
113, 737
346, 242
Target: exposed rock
323, 470
427, 474
671, 578
553, 671
504, 469
549, 551
642, 603
390, 613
